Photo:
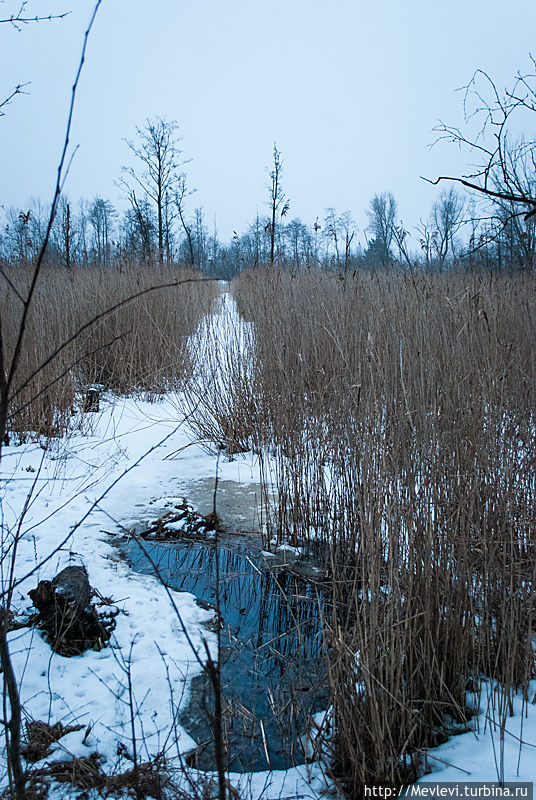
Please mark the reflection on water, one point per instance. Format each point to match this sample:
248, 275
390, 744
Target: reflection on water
272, 670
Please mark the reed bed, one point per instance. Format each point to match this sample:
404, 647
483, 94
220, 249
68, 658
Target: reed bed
139, 347
394, 414
222, 394
394, 417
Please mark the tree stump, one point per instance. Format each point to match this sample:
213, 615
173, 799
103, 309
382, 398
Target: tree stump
70, 623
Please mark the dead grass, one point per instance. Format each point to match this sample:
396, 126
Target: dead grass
395, 414
141, 347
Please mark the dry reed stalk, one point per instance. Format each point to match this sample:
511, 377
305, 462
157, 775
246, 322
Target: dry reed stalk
400, 410
141, 347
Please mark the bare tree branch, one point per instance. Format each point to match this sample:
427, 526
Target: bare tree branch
19, 89
20, 18
507, 172
488, 192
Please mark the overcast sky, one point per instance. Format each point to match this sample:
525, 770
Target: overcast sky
349, 90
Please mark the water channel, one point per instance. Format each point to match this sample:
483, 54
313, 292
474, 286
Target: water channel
272, 664
272, 649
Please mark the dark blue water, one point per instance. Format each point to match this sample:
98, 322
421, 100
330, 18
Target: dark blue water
272, 649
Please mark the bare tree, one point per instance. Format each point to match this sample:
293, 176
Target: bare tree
426, 243
339, 229
506, 163
255, 240
18, 234
159, 152
201, 239
331, 233
24, 231
381, 214
180, 195
348, 228
65, 233
101, 215
140, 228
447, 219
277, 199
299, 239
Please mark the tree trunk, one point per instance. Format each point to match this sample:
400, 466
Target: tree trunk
13, 727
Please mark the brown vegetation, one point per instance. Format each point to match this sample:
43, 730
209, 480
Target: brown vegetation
139, 347
395, 414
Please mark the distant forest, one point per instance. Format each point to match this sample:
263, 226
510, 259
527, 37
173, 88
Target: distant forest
482, 225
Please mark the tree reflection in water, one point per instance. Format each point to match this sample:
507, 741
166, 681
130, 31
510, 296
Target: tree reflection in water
272, 667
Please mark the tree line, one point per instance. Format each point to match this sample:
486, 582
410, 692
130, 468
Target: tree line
159, 227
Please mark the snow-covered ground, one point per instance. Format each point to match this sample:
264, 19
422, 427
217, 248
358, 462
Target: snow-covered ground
70, 501
485, 754
136, 455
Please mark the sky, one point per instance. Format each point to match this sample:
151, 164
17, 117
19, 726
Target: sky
350, 91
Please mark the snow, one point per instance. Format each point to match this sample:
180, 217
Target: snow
136, 457
288, 548
72, 497
481, 755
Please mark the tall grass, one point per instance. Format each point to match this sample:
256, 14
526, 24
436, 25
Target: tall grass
222, 395
395, 415
140, 347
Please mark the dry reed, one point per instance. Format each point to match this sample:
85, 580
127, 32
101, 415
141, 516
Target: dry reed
140, 347
395, 415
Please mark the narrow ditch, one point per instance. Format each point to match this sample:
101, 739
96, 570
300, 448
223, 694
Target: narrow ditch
272, 665
273, 673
